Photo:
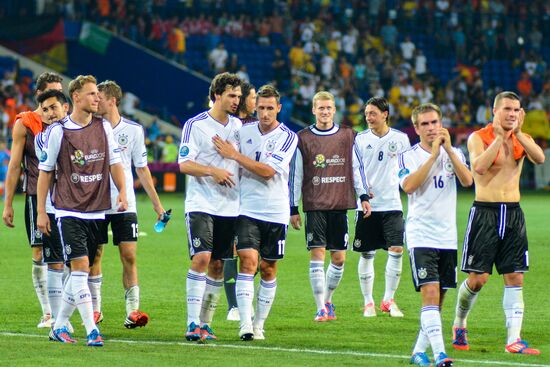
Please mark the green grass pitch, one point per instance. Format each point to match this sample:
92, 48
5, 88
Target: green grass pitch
292, 338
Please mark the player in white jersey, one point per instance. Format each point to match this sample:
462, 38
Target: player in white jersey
130, 138
378, 149
428, 173
267, 147
211, 201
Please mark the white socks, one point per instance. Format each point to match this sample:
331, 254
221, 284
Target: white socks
464, 303
430, 320
317, 281
132, 299
512, 303
422, 342
94, 284
266, 296
68, 305
83, 299
196, 283
244, 289
365, 270
334, 276
210, 299
39, 280
55, 290
393, 274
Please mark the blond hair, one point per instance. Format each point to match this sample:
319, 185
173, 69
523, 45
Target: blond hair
111, 89
322, 96
77, 83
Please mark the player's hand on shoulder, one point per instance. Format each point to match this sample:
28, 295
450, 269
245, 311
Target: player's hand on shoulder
7, 216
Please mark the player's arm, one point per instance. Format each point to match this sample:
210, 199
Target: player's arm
417, 178
534, 153
147, 182
296, 177
220, 175
117, 173
14, 170
360, 181
227, 150
461, 170
43, 186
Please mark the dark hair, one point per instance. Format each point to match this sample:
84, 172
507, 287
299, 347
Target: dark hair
46, 78
50, 93
267, 91
220, 82
246, 88
111, 89
380, 103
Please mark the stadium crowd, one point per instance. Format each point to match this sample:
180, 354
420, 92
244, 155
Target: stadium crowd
358, 49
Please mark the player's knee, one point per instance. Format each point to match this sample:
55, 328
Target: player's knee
477, 281
37, 253
368, 255
396, 249
215, 267
338, 258
200, 261
268, 270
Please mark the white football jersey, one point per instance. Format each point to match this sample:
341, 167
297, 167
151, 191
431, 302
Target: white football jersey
431, 215
379, 155
38, 145
261, 199
203, 194
130, 138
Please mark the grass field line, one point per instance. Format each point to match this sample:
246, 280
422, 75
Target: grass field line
290, 350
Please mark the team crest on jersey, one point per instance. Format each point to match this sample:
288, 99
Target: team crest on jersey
67, 249
357, 243
309, 237
184, 151
316, 180
43, 156
270, 146
78, 157
403, 172
393, 147
448, 165
422, 273
319, 161
75, 178
123, 140
196, 242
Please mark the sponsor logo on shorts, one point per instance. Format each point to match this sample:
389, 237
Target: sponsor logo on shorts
403, 172
37, 234
309, 237
43, 156
422, 273
184, 151
357, 243
196, 242
67, 249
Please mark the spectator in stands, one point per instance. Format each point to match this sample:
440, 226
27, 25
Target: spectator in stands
129, 104
170, 150
218, 58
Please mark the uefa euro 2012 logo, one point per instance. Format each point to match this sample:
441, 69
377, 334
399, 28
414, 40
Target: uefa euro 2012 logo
319, 161
78, 158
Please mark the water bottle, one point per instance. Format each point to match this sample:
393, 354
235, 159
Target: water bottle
159, 226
